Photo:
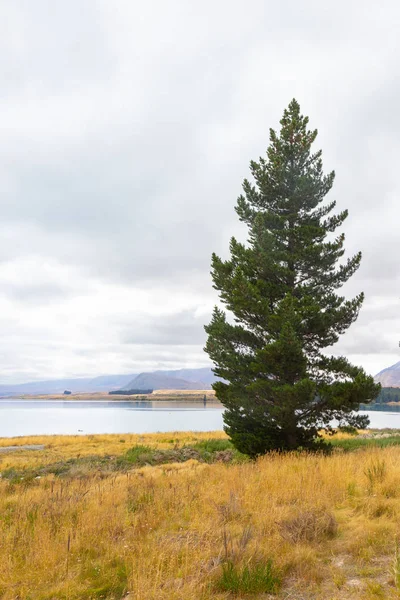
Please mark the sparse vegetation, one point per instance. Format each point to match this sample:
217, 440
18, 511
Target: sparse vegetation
106, 523
351, 443
250, 579
130, 392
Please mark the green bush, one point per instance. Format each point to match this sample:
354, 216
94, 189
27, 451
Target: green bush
139, 454
212, 445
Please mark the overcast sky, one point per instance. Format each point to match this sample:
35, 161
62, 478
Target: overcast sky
126, 129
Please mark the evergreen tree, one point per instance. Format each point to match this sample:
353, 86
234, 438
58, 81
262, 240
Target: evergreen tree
279, 388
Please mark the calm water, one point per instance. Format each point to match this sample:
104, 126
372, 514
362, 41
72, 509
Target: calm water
34, 417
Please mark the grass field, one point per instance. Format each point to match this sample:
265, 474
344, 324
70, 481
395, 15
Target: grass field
182, 516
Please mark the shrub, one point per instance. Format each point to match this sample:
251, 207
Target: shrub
212, 445
308, 526
139, 454
376, 472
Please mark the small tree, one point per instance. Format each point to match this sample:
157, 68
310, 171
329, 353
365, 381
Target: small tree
279, 388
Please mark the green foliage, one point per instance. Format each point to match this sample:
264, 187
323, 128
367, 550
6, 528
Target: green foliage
104, 581
390, 394
258, 578
139, 454
351, 444
214, 450
212, 445
278, 386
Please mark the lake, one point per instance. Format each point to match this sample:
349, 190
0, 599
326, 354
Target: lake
42, 417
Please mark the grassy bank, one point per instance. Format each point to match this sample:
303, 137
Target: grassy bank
182, 516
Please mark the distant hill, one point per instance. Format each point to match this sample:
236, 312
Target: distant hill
178, 379
103, 383
158, 380
389, 377
203, 375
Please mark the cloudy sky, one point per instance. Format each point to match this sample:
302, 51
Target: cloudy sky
126, 129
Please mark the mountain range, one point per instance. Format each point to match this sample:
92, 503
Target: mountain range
181, 379
178, 379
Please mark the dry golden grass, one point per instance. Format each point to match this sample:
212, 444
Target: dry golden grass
63, 447
329, 524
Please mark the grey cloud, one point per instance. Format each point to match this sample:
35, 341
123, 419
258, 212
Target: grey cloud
182, 328
41, 293
127, 131
136, 178
366, 341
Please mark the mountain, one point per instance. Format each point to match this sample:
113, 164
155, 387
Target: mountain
103, 383
178, 379
108, 382
158, 380
389, 377
202, 375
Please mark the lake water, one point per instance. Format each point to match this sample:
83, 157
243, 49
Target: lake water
41, 417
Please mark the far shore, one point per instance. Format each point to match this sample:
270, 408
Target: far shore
156, 396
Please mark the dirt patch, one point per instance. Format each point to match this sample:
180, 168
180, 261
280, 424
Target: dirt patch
7, 449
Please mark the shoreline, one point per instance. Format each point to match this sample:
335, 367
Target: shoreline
156, 396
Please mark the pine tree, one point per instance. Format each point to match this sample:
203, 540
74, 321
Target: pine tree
279, 388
